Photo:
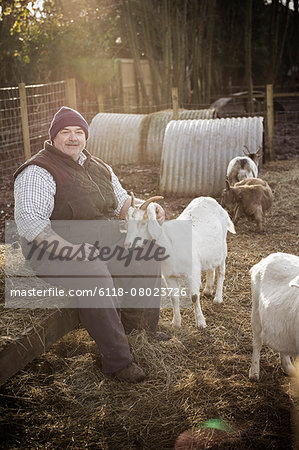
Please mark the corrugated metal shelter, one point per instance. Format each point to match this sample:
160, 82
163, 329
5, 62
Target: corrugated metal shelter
157, 123
196, 152
116, 138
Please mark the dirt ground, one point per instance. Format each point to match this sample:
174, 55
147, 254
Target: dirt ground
62, 400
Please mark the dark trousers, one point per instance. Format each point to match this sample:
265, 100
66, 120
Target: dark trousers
107, 317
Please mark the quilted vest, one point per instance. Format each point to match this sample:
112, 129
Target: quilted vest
82, 192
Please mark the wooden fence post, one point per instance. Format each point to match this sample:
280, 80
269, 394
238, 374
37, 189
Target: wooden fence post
175, 103
71, 99
24, 120
141, 101
100, 103
126, 101
270, 120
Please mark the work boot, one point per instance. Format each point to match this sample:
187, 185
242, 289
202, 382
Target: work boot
98, 361
159, 336
132, 374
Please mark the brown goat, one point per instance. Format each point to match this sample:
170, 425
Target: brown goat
228, 199
251, 197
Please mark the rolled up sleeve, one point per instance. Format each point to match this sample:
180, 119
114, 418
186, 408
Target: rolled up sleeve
34, 192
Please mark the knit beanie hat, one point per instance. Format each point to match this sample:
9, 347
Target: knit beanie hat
67, 117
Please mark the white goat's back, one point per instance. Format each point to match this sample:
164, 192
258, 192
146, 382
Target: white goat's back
205, 210
210, 223
277, 302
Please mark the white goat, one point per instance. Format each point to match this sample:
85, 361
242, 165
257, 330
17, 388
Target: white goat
242, 167
209, 223
275, 309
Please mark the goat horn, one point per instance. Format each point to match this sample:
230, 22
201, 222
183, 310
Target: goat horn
248, 152
132, 199
149, 200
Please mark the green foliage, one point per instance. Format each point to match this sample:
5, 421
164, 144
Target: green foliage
72, 38
95, 71
18, 12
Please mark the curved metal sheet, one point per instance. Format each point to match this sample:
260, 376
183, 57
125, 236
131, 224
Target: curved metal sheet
157, 123
196, 152
116, 138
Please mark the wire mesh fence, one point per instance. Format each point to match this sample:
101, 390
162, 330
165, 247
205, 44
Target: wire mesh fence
286, 135
43, 101
10, 128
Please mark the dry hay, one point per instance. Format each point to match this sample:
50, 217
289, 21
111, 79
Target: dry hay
62, 400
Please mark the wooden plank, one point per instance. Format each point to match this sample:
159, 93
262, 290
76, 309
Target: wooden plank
71, 97
14, 356
286, 94
175, 103
125, 101
100, 103
24, 121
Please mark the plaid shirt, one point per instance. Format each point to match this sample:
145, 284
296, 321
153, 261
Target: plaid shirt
34, 192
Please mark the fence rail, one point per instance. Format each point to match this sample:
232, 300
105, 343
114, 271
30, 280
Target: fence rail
27, 118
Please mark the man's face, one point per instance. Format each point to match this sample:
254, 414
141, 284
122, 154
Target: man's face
71, 141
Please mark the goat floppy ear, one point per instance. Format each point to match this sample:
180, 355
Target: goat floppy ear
154, 228
151, 211
132, 199
227, 184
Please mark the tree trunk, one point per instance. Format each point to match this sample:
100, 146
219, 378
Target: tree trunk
167, 72
134, 48
280, 50
209, 51
179, 47
195, 51
148, 44
277, 42
248, 61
